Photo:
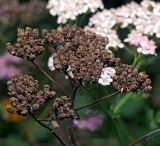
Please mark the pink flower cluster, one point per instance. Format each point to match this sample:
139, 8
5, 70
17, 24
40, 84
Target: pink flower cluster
144, 17
91, 124
143, 44
7, 70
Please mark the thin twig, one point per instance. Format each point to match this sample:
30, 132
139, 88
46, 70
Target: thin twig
73, 92
42, 124
156, 131
98, 100
71, 81
106, 112
50, 78
94, 98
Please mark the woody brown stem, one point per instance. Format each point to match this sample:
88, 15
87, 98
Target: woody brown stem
98, 100
73, 92
156, 131
43, 125
49, 77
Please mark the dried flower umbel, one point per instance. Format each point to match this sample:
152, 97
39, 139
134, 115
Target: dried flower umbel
63, 107
128, 78
80, 54
25, 96
28, 45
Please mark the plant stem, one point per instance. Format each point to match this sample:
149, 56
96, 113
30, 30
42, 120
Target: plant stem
73, 92
98, 100
39, 122
124, 128
112, 120
156, 131
30, 136
49, 77
119, 135
120, 103
136, 59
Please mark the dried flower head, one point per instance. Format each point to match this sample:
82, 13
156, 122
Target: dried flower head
128, 78
25, 97
28, 44
81, 54
62, 107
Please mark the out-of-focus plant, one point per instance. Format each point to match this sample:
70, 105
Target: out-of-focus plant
7, 67
12, 12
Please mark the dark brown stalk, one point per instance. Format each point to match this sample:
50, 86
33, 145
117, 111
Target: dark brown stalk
156, 131
50, 129
98, 100
50, 78
73, 92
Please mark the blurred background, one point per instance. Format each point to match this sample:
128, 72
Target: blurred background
138, 115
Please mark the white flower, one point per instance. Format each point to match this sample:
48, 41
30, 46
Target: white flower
69, 72
111, 35
51, 64
106, 76
70, 9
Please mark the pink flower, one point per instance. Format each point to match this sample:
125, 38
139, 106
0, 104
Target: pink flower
91, 124
8, 70
143, 44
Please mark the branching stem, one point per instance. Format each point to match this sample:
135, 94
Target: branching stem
98, 100
49, 77
156, 131
42, 124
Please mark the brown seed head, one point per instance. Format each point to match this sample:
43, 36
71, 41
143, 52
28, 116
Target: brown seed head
62, 107
82, 51
129, 79
25, 97
28, 44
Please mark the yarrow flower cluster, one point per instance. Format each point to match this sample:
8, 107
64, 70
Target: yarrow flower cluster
143, 44
83, 57
128, 78
103, 23
62, 107
80, 54
70, 9
28, 45
25, 96
144, 19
